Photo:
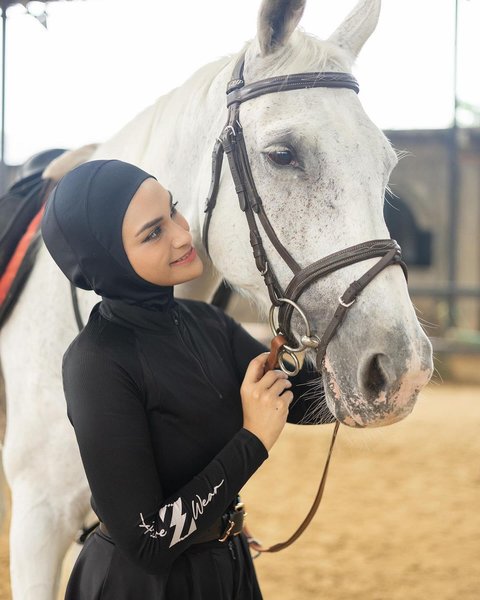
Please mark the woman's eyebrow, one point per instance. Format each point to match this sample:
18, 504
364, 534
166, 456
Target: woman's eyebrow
149, 224
154, 221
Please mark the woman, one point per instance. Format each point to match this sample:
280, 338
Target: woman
168, 398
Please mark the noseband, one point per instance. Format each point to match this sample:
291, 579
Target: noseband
231, 142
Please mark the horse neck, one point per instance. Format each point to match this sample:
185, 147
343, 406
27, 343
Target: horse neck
174, 137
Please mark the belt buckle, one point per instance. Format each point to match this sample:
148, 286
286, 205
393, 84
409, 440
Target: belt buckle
228, 530
238, 508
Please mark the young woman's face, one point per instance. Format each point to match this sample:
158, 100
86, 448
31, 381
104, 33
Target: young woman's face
157, 238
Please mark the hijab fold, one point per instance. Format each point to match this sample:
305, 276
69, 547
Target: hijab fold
82, 229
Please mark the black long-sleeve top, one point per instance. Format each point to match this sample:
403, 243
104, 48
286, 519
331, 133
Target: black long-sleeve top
154, 399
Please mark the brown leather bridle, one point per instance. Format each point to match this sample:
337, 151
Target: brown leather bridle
231, 142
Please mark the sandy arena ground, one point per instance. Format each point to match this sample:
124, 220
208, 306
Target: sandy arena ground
401, 515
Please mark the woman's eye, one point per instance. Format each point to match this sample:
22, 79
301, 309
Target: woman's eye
154, 234
283, 158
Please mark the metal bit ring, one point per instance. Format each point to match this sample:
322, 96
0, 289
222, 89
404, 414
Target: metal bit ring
276, 330
284, 366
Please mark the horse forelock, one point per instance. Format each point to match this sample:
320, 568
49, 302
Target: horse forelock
303, 52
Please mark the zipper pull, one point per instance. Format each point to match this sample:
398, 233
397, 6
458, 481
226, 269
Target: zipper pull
232, 549
175, 316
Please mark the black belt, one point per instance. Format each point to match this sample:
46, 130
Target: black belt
226, 526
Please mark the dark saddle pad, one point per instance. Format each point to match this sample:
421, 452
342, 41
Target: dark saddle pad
18, 208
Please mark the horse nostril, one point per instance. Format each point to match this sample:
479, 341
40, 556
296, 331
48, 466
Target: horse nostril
376, 375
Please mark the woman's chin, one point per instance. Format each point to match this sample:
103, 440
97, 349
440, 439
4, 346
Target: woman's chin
188, 272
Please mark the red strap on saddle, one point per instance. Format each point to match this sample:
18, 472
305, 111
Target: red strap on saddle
16, 260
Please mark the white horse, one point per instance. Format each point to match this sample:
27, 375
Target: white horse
329, 196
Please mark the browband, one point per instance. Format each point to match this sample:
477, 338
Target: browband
238, 92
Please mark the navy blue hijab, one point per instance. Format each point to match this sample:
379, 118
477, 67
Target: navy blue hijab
82, 229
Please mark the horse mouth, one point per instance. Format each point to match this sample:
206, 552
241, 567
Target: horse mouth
357, 410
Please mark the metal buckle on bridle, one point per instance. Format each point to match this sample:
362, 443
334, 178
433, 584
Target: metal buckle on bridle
306, 341
230, 128
346, 305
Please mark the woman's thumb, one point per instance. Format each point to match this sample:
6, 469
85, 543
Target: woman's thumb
255, 369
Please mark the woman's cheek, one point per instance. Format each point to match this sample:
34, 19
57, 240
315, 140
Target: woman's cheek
182, 221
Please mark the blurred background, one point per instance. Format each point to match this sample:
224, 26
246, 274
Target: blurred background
74, 72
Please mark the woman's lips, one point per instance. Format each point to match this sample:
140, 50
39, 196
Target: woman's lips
186, 258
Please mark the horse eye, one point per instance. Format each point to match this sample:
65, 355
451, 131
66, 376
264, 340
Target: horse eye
283, 158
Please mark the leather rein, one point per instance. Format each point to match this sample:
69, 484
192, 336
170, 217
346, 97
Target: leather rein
231, 142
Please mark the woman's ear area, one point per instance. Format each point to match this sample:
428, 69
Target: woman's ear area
358, 26
277, 20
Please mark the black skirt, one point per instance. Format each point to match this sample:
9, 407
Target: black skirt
209, 571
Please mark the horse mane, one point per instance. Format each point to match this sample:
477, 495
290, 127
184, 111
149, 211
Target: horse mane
302, 53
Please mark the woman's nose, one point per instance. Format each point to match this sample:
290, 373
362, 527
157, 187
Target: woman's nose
182, 235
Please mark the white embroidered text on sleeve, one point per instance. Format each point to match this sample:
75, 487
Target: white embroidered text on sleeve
179, 517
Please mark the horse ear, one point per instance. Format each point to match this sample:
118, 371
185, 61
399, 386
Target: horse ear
357, 27
277, 20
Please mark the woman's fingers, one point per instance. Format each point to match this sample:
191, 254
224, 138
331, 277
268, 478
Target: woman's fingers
283, 402
255, 368
265, 401
271, 377
288, 397
279, 386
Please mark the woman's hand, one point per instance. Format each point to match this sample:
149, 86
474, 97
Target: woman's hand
265, 400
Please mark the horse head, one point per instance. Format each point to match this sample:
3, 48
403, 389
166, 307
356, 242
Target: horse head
321, 168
